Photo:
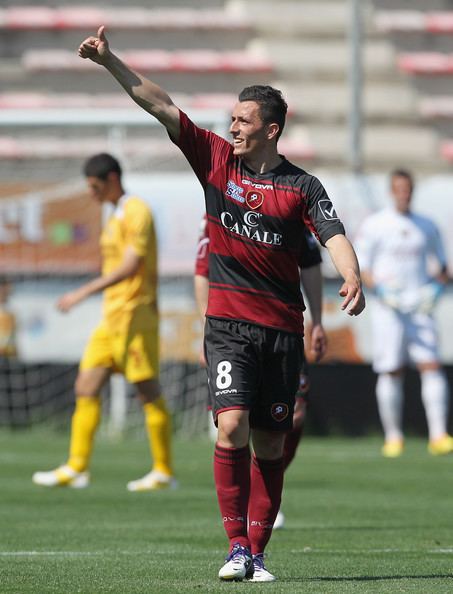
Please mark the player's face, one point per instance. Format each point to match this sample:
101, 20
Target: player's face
250, 134
99, 189
402, 193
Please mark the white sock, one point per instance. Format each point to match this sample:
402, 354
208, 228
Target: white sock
435, 400
389, 394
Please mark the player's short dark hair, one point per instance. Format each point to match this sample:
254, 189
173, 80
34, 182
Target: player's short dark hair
403, 173
273, 107
101, 165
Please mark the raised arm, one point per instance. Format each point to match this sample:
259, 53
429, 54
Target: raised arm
145, 93
345, 261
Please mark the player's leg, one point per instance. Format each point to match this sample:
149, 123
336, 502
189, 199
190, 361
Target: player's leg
389, 357
266, 485
423, 350
232, 373
389, 395
271, 417
94, 371
292, 439
159, 430
232, 481
138, 357
294, 436
435, 399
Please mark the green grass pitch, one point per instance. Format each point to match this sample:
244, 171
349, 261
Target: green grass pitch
355, 522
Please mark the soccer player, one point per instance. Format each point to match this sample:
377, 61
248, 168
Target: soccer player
8, 347
311, 278
257, 205
126, 340
394, 246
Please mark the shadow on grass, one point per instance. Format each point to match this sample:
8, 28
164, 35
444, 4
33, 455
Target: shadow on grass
369, 578
308, 527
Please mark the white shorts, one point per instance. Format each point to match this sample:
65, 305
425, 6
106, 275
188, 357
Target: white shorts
399, 339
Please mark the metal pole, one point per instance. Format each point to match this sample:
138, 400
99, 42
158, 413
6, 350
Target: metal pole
355, 86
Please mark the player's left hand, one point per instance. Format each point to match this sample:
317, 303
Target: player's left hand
354, 299
202, 358
428, 296
318, 342
68, 300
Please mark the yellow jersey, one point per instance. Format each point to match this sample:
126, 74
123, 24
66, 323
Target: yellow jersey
133, 300
7, 333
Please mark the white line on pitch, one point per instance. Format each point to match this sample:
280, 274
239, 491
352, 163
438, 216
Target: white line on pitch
305, 550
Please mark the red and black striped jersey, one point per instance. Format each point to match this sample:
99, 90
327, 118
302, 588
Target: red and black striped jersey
309, 256
256, 227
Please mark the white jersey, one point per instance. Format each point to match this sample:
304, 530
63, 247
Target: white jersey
395, 248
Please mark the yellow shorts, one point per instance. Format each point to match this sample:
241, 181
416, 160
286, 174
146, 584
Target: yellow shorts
134, 354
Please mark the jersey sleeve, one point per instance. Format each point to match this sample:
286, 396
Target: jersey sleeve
202, 257
204, 150
310, 254
319, 213
137, 225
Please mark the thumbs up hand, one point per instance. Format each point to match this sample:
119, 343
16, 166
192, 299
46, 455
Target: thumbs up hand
95, 48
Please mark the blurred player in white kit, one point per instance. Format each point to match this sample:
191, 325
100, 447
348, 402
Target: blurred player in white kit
394, 247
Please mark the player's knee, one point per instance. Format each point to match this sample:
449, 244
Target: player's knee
148, 391
268, 445
84, 388
233, 428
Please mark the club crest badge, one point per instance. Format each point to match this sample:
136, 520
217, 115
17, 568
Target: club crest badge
279, 411
254, 199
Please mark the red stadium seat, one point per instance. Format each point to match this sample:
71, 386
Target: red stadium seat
27, 100
439, 22
85, 17
426, 63
446, 150
29, 17
154, 61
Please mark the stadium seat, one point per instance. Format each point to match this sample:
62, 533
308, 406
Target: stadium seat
45, 147
400, 21
446, 150
39, 147
437, 107
154, 61
85, 17
426, 63
439, 22
35, 100
296, 150
411, 21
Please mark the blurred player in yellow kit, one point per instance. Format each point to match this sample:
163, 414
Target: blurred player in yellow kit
127, 338
7, 323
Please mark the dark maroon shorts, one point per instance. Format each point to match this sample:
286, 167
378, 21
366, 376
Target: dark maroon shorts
254, 368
